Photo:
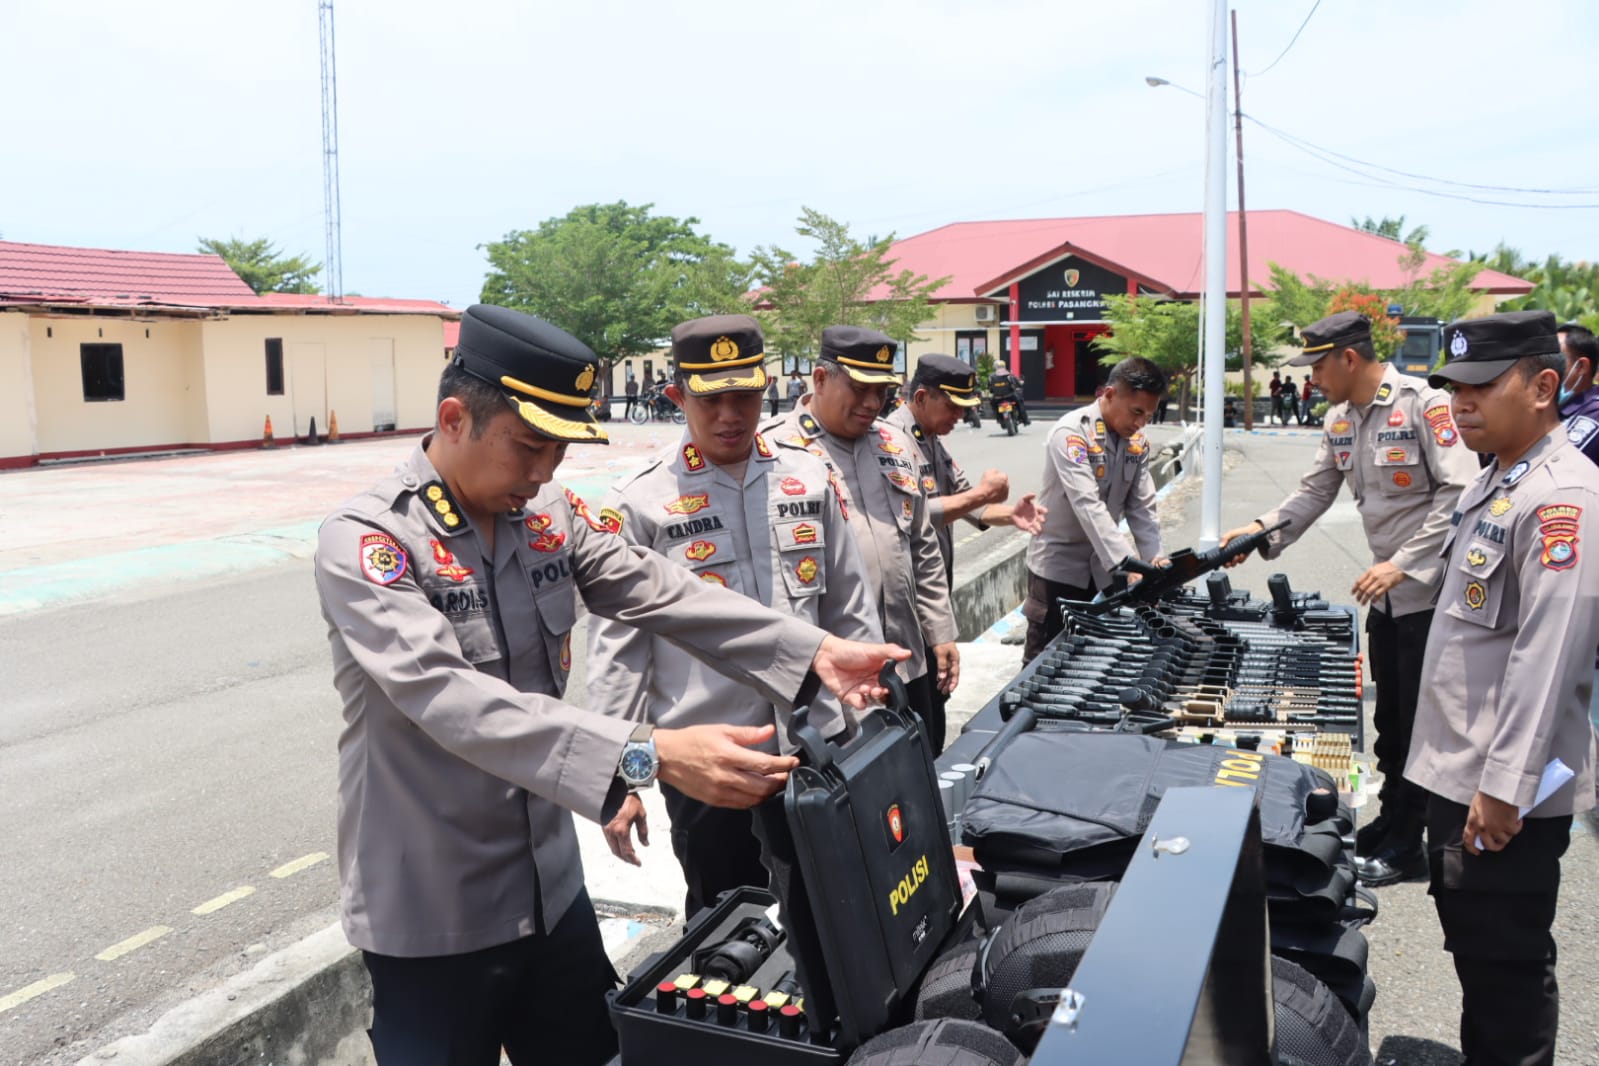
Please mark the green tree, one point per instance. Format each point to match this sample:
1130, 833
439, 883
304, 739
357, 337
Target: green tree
1443, 293
262, 266
848, 283
615, 276
1393, 229
1166, 332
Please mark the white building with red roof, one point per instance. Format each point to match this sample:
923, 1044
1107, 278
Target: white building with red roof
106, 352
1041, 280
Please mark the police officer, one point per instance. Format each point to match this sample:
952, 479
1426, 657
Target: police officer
1506, 683
1579, 410
450, 591
1391, 438
1096, 472
939, 392
740, 512
1002, 385
887, 511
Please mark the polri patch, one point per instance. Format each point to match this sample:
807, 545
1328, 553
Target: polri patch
382, 559
1559, 523
1076, 449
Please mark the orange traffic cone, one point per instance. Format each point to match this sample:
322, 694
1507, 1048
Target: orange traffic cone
333, 427
266, 433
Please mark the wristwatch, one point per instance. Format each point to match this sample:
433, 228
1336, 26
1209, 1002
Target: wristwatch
638, 765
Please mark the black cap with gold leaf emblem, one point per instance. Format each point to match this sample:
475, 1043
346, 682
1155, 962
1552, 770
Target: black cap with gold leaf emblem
949, 375
720, 353
547, 373
866, 355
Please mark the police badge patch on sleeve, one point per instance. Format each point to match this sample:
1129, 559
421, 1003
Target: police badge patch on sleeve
382, 559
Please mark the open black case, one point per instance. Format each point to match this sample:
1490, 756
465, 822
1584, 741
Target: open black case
865, 880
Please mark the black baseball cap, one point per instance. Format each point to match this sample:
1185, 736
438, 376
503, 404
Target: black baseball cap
1480, 349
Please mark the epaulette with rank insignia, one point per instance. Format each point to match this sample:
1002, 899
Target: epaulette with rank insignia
442, 504
916, 431
810, 426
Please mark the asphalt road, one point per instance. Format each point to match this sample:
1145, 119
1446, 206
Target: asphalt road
171, 748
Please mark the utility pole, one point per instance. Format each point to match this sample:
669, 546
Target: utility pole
1243, 238
333, 269
1213, 351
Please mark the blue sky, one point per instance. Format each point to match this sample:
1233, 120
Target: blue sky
145, 126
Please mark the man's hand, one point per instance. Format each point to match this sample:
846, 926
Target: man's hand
993, 487
618, 830
1028, 515
1492, 819
849, 668
1233, 534
715, 764
949, 666
1376, 582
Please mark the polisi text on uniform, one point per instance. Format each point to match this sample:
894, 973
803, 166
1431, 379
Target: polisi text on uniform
550, 571
799, 509
1492, 531
693, 527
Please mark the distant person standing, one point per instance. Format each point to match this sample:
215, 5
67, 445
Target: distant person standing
1304, 402
632, 392
796, 389
1276, 396
771, 394
1290, 398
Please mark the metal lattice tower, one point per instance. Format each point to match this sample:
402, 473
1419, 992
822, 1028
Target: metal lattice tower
333, 268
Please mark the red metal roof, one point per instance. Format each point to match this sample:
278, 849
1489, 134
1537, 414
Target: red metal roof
102, 277
1163, 252
52, 275
452, 333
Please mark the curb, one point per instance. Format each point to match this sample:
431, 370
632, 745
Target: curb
310, 1002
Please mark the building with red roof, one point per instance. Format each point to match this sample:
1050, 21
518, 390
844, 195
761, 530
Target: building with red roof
108, 352
1041, 280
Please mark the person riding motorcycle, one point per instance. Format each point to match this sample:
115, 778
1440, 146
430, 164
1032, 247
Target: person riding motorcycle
1003, 385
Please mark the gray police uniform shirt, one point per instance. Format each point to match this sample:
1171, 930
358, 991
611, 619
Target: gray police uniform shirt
875, 480
1092, 480
775, 535
1509, 668
1402, 459
940, 476
459, 766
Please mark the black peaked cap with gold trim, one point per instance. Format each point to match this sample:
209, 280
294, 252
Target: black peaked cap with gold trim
951, 377
867, 355
720, 353
1332, 334
547, 374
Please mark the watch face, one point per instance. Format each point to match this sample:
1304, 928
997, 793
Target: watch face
637, 764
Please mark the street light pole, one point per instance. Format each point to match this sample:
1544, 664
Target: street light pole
1213, 352
1243, 240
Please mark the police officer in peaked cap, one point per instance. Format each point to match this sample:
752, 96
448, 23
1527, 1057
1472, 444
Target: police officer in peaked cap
732, 509
1391, 438
873, 463
1506, 683
450, 590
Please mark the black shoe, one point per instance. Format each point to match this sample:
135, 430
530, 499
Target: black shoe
1391, 866
1368, 839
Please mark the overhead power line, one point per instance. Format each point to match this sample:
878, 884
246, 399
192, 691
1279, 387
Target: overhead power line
1291, 41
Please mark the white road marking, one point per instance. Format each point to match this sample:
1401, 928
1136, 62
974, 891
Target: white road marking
134, 942
38, 988
304, 862
211, 905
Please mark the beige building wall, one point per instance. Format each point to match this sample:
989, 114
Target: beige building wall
373, 371
18, 420
162, 399
938, 333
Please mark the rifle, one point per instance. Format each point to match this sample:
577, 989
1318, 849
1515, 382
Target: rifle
1184, 566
